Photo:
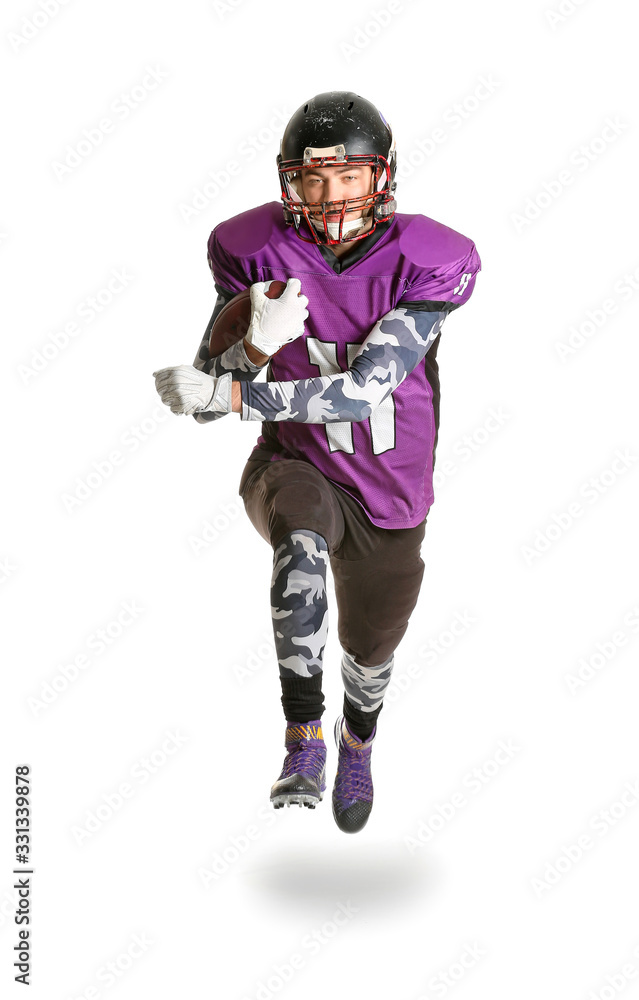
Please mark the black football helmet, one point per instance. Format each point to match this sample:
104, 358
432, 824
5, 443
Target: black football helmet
334, 128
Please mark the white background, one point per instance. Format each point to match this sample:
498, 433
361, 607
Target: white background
539, 562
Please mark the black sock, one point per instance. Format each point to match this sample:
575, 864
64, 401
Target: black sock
361, 724
302, 698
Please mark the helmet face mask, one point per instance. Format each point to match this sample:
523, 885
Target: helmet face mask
375, 203
337, 129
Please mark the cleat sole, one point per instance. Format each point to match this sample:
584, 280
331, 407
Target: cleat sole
278, 801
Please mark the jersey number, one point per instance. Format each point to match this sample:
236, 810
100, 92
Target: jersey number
382, 420
465, 278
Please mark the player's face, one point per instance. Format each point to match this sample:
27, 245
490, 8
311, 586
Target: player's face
321, 184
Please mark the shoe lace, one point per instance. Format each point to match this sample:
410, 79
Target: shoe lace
354, 778
302, 757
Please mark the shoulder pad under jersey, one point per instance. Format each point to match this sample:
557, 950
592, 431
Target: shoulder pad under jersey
247, 233
430, 244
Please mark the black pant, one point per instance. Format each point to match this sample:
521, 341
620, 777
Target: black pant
377, 572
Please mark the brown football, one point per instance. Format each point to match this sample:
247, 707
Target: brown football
233, 321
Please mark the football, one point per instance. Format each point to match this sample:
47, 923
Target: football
233, 321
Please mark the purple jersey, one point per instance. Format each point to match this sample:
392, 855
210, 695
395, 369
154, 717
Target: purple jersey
381, 454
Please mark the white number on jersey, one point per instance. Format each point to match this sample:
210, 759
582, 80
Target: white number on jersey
465, 278
382, 420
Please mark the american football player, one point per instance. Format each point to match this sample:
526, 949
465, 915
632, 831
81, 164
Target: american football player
341, 475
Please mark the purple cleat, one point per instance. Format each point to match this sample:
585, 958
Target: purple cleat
353, 788
303, 777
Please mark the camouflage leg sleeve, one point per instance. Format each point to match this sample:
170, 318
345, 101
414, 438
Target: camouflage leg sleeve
365, 687
299, 604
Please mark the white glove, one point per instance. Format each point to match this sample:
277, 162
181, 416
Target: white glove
276, 322
186, 390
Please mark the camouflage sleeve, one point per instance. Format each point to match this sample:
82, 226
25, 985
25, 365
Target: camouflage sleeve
234, 359
393, 348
